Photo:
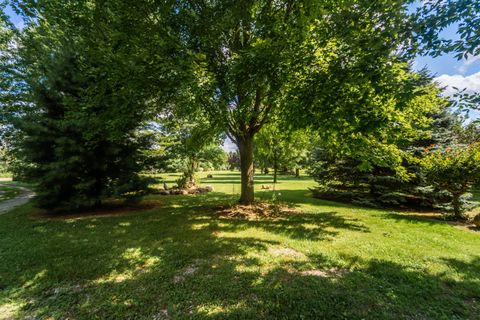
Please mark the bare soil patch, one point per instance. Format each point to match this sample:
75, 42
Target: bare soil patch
109, 209
285, 252
330, 273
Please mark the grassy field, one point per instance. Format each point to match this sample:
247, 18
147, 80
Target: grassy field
5, 175
180, 260
7, 192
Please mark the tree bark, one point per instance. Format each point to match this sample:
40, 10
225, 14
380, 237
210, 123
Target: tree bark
275, 167
297, 172
457, 210
245, 145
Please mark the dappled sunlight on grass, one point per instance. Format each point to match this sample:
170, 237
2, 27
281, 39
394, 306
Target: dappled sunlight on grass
137, 263
180, 260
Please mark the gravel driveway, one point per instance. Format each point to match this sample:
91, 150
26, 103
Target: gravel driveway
24, 196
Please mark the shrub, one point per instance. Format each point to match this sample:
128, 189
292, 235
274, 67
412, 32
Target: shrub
476, 220
455, 170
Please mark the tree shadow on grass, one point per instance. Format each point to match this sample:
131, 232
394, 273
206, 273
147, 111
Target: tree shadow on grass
426, 219
378, 289
468, 270
412, 218
76, 268
175, 263
321, 226
300, 197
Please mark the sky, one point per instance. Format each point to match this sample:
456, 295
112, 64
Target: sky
448, 71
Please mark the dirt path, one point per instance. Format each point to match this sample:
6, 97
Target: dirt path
24, 196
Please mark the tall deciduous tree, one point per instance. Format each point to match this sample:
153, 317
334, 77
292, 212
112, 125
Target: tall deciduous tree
295, 58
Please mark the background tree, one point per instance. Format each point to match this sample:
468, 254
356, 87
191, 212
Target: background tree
281, 149
233, 160
193, 141
348, 176
456, 170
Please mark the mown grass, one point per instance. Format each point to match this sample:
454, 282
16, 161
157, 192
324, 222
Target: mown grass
8, 192
181, 260
5, 174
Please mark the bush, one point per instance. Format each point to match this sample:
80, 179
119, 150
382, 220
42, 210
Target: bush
476, 220
455, 170
188, 180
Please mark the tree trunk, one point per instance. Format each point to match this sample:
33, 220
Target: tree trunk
245, 145
297, 172
457, 210
275, 169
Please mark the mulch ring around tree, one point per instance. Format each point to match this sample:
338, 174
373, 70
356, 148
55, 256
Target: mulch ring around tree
109, 209
255, 211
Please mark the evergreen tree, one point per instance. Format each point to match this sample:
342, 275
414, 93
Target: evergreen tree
348, 177
77, 154
345, 179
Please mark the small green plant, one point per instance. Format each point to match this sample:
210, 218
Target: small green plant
188, 180
455, 170
275, 200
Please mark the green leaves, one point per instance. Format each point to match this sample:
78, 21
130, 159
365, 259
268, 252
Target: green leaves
434, 16
455, 169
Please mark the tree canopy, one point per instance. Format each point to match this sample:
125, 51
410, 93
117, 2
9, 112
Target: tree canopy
340, 68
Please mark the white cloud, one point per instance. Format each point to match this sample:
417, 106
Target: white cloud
229, 146
470, 83
465, 64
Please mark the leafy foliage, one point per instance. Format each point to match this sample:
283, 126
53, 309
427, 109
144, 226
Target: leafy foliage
190, 143
280, 148
435, 15
74, 128
438, 171
455, 170
77, 156
240, 62
394, 177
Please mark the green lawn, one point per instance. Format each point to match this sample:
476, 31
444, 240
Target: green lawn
5, 175
181, 261
7, 192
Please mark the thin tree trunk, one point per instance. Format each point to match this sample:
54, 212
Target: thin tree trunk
457, 210
297, 172
245, 145
275, 169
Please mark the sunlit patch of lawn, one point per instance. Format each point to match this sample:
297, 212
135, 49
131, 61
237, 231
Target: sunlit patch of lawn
180, 260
